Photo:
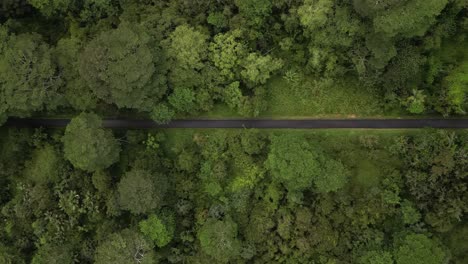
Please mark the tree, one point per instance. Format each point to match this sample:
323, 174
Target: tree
120, 67
333, 176
101, 181
227, 52
419, 249
159, 229
412, 18
218, 239
44, 165
162, 114
126, 246
28, 77
141, 192
457, 85
434, 175
188, 47
376, 257
87, 145
315, 13
410, 214
298, 168
258, 69
86, 10
52, 7
53, 254
415, 102
182, 99
254, 11
77, 93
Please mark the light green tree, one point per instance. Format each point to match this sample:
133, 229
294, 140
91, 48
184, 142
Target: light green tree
376, 257
227, 52
188, 47
419, 249
182, 99
457, 84
257, 69
159, 229
162, 114
415, 103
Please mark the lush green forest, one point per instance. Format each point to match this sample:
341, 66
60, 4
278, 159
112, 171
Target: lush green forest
90, 195
177, 58
86, 194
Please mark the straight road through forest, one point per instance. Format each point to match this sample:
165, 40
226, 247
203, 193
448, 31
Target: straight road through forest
254, 123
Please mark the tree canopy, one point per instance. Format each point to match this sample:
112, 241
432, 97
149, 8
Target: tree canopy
87, 145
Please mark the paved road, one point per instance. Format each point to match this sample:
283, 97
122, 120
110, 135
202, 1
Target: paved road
256, 123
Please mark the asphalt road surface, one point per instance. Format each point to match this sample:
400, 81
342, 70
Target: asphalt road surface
255, 123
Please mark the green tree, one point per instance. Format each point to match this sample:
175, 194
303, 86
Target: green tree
296, 170
52, 7
76, 91
376, 257
227, 52
258, 69
188, 47
44, 165
457, 85
28, 77
159, 229
218, 239
162, 114
315, 13
124, 247
410, 214
53, 254
120, 67
182, 99
87, 145
416, 102
409, 19
254, 11
140, 191
419, 249
101, 181
86, 10
333, 176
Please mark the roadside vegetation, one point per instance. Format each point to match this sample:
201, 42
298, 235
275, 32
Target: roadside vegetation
179, 59
233, 196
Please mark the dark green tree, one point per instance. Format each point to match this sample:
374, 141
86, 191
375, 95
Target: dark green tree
219, 239
296, 170
120, 66
28, 76
140, 191
87, 145
126, 246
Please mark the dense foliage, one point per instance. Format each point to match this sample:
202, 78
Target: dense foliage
87, 194
233, 196
167, 59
